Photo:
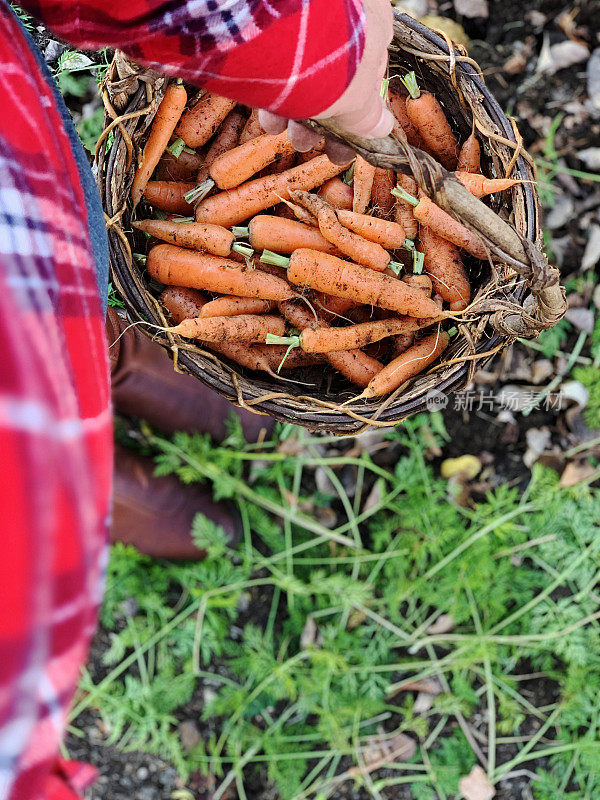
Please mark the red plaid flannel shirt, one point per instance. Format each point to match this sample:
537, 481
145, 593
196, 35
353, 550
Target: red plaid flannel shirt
292, 56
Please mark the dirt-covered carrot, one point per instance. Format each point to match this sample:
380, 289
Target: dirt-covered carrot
266, 232
404, 211
247, 328
362, 184
382, 199
337, 193
329, 274
229, 306
195, 235
356, 366
237, 165
167, 117
361, 250
407, 365
175, 266
227, 137
397, 105
252, 128
469, 158
421, 282
235, 205
432, 216
182, 303
281, 358
426, 114
444, 266
480, 186
390, 235
334, 306
199, 123
169, 196
353, 337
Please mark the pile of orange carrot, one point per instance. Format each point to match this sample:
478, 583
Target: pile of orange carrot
280, 261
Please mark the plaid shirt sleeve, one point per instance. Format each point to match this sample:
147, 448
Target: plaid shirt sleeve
293, 57
55, 428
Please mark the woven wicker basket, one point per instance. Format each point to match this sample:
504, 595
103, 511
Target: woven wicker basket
518, 295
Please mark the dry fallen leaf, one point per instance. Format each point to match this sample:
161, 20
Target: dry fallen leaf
383, 749
575, 472
476, 786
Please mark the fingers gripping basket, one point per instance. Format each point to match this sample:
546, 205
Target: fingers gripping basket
518, 295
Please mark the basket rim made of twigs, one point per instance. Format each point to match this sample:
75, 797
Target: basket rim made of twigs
520, 296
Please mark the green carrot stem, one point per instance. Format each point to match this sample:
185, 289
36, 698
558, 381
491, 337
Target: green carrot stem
240, 232
277, 260
292, 341
408, 244
348, 176
410, 81
396, 267
183, 219
385, 85
140, 257
418, 262
189, 150
179, 81
402, 194
176, 148
199, 192
243, 249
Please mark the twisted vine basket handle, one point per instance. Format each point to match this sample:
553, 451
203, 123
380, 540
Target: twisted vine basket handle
546, 305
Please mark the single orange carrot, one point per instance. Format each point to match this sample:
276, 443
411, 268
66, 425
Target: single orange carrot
235, 205
337, 193
382, 199
390, 235
362, 184
246, 328
199, 123
403, 211
237, 165
329, 274
177, 267
425, 112
169, 196
444, 266
480, 186
397, 105
353, 337
334, 306
469, 158
427, 213
167, 117
280, 357
266, 232
252, 128
195, 235
407, 365
229, 306
182, 303
227, 137
354, 365
361, 250
421, 282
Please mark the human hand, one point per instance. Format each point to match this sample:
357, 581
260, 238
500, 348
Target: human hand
361, 109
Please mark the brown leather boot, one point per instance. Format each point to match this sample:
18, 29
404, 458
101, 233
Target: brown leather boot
155, 514
144, 384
